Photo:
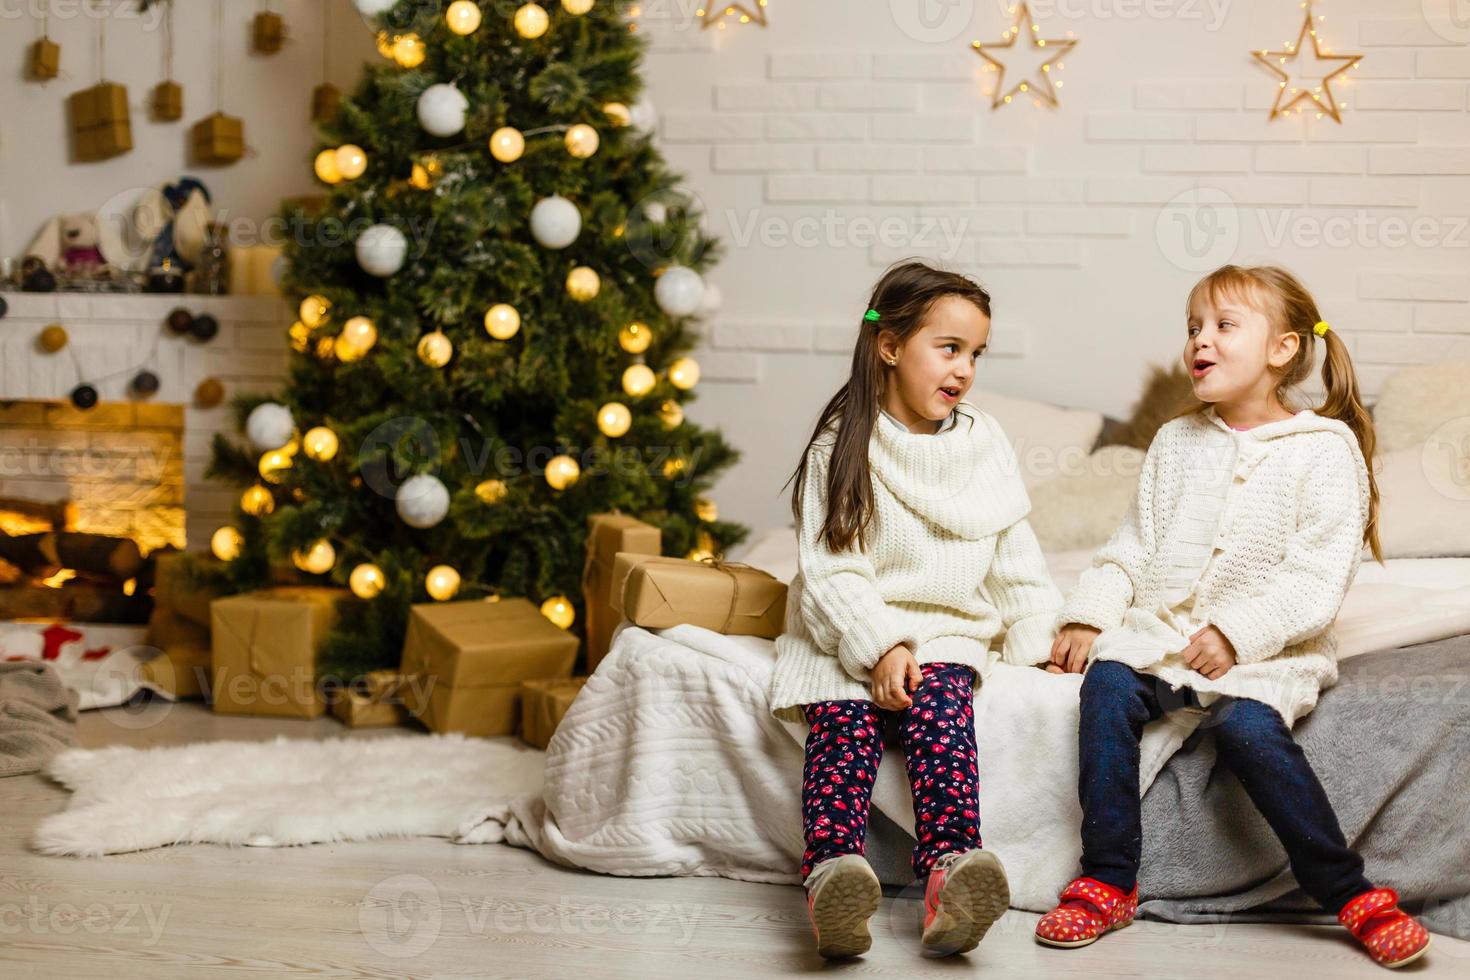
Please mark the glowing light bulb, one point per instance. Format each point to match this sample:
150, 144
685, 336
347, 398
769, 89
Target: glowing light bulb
435, 349
491, 491
366, 581
635, 337
272, 465
559, 610
582, 141
531, 21
562, 471
225, 543
507, 144
257, 501
316, 560
463, 17
638, 380
671, 414
442, 582
314, 311
583, 284
326, 167
614, 419
351, 161
502, 321
684, 373
320, 443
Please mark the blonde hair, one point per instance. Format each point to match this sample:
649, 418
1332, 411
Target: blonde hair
1288, 307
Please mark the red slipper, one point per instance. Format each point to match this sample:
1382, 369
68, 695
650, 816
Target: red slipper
1390, 935
1087, 909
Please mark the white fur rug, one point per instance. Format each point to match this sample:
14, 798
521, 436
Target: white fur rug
281, 793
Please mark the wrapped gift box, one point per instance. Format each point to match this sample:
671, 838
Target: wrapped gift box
45, 59
100, 123
218, 139
265, 647
181, 671
373, 701
326, 102
176, 591
463, 662
608, 534
728, 598
269, 32
544, 704
168, 101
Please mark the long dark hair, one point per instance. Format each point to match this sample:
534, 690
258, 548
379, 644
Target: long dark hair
903, 297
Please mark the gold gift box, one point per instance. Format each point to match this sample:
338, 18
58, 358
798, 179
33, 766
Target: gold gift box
728, 598
45, 61
269, 32
463, 662
608, 534
218, 139
543, 705
375, 701
265, 648
326, 100
175, 590
100, 124
168, 101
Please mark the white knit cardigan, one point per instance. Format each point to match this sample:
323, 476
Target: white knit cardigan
1269, 571
949, 564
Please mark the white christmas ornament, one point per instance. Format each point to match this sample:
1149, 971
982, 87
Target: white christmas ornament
269, 426
643, 115
373, 8
712, 300
555, 222
381, 250
678, 291
442, 110
422, 501
655, 212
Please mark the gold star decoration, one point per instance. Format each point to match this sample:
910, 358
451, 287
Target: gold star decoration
719, 14
1041, 86
1320, 92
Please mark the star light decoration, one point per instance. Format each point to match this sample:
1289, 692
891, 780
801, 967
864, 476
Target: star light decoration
1042, 86
1288, 94
718, 14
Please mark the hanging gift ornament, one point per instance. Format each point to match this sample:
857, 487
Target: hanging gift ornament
583, 284
422, 501
555, 222
269, 426
435, 349
381, 250
442, 109
268, 32
531, 21
326, 98
614, 420
582, 141
678, 291
502, 321
463, 17
507, 144
167, 98
635, 337
442, 582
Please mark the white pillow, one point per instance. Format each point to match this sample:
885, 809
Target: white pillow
1416, 401
1048, 440
772, 551
1424, 499
1082, 507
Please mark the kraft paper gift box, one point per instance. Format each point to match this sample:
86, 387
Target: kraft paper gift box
543, 705
268, 32
168, 101
45, 59
463, 662
608, 534
100, 123
729, 598
182, 668
265, 648
376, 700
218, 139
175, 589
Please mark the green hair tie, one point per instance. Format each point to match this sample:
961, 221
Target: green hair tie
871, 316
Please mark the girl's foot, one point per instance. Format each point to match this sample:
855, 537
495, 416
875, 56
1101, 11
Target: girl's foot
1391, 937
842, 894
966, 894
1087, 909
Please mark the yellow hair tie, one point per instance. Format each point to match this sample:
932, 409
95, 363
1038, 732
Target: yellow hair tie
1321, 328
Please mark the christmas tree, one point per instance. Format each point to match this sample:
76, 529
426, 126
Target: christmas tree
496, 304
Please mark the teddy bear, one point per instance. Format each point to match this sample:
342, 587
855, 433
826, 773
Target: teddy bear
74, 245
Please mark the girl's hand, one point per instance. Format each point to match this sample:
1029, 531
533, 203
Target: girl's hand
1210, 652
1070, 649
894, 676
1051, 668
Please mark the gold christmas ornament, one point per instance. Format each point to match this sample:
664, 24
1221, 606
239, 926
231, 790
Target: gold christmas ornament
351, 161
1043, 87
684, 373
435, 349
531, 21
409, 51
491, 491
576, 7
257, 501
673, 466
53, 338
366, 580
583, 284
705, 510
300, 335
385, 44
326, 348
638, 380
209, 393
618, 113
582, 141
614, 419
1313, 77
292, 447
463, 17
502, 321
225, 543
635, 337
358, 336
320, 443
559, 610
671, 414
273, 464
326, 167
442, 582
316, 560
507, 144
315, 311
562, 471
420, 177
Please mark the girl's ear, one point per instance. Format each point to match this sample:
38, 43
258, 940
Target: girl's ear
887, 346
1283, 349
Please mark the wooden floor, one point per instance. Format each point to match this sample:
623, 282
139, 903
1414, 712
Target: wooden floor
426, 907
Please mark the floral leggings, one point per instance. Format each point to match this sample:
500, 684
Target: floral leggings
845, 745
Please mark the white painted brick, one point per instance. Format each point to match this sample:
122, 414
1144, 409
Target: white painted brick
1254, 127
1310, 159
1351, 317
976, 222
926, 126
1442, 318
1174, 94
816, 64
1365, 192
819, 188
1136, 190
1431, 286
1093, 222
817, 127
994, 253
762, 158
953, 97
870, 158
951, 255
709, 128
1032, 190
1400, 32
936, 67
776, 336
984, 159
923, 190
779, 96
1399, 96
1385, 63
1419, 160
1136, 128
1366, 127
1443, 63
1259, 191
1196, 159
831, 339
1426, 348
871, 97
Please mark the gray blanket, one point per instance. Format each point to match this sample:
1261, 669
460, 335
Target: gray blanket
38, 716
1390, 743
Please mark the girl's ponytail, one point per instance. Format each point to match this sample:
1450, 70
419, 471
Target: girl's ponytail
1343, 403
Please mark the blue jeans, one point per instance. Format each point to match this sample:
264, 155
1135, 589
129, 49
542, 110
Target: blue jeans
1250, 738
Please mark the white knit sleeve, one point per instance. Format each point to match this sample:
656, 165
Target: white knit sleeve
1106, 588
1305, 590
1021, 588
840, 602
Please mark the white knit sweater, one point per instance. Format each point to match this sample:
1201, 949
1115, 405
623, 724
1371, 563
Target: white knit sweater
1269, 572
950, 564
